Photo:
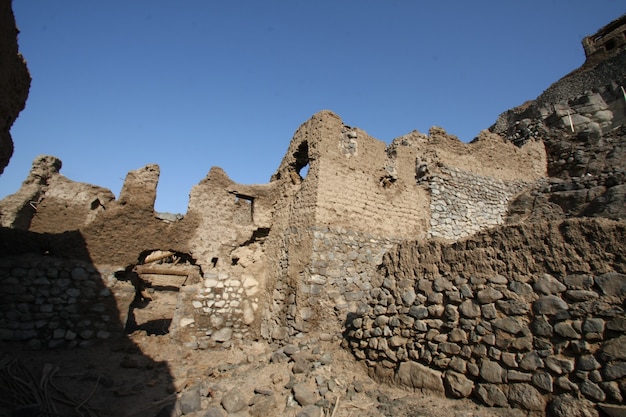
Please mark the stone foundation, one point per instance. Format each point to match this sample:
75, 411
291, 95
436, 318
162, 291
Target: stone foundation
516, 336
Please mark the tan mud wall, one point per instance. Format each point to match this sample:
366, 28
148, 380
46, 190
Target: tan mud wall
258, 245
355, 198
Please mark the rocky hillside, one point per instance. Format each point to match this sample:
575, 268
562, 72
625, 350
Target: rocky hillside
581, 120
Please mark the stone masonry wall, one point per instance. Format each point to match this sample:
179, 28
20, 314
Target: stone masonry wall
262, 236
593, 98
218, 311
509, 326
462, 203
225, 307
48, 302
343, 264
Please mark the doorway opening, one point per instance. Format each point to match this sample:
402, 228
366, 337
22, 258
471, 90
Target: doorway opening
157, 278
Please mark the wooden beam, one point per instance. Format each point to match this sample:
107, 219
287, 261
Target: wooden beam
153, 257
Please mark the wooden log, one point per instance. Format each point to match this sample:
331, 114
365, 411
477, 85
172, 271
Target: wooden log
153, 257
147, 269
157, 280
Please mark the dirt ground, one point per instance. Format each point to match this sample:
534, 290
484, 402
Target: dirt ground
142, 374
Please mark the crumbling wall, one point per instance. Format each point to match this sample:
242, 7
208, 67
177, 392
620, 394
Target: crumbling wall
17, 210
580, 119
582, 110
361, 195
470, 185
528, 315
290, 243
259, 247
514, 317
367, 189
343, 269
607, 41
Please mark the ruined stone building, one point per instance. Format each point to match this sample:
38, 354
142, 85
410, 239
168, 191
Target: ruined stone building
493, 268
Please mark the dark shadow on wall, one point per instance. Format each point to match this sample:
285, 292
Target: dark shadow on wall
63, 345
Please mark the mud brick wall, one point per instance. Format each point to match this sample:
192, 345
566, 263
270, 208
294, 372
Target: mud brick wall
520, 333
353, 193
462, 203
48, 302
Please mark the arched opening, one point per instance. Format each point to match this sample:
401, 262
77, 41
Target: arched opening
301, 163
304, 171
157, 278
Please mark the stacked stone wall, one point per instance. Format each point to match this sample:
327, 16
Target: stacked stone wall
342, 268
218, 311
462, 203
49, 302
472, 319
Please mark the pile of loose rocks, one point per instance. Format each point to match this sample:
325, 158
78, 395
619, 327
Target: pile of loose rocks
519, 343
299, 381
306, 378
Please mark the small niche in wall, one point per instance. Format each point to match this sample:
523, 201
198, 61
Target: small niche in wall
386, 181
96, 204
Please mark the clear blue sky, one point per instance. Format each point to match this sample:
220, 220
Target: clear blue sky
195, 83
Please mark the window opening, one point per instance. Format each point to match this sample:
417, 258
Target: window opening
609, 45
304, 171
244, 209
301, 164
